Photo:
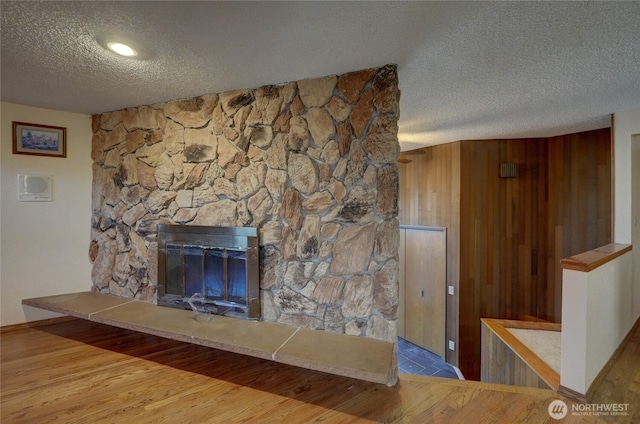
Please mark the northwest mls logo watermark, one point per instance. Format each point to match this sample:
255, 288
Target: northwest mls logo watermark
559, 409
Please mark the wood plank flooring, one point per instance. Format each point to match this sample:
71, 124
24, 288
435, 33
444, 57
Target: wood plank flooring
300, 347
83, 372
619, 381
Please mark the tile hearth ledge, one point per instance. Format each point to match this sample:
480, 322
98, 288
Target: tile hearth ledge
350, 356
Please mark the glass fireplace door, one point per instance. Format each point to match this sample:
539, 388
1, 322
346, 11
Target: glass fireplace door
214, 275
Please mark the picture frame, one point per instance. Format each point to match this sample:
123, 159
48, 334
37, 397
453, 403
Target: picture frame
39, 140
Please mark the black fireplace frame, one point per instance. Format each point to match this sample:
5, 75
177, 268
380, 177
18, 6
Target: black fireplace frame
233, 238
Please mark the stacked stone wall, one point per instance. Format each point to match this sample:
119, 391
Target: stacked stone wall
311, 163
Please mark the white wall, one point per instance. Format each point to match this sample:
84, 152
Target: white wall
44, 245
635, 186
597, 314
625, 124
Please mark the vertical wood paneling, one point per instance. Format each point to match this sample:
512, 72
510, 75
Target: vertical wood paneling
501, 365
430, 196
408, 193
579, 207
500, 238
506, 236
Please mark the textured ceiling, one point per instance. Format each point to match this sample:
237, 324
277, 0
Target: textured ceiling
472, 70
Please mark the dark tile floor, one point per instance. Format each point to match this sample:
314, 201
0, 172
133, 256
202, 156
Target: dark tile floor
413, 359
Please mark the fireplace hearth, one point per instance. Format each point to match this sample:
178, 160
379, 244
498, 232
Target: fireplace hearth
209, 269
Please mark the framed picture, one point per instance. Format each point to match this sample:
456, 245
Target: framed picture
41, 140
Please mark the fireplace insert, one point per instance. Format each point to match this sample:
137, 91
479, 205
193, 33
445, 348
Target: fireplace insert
209, 269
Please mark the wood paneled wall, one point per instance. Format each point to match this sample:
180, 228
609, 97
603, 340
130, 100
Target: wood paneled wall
506, 360
501, 235
430, 196
580, 204
507, 235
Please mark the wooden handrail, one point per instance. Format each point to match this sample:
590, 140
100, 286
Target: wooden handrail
588, 261
541, 368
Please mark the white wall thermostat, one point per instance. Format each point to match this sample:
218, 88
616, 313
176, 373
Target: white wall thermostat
34, 188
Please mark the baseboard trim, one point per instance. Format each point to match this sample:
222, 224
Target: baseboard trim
571, 394
35, 324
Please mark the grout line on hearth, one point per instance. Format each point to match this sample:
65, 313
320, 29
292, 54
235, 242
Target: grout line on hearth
106, 309
273, 355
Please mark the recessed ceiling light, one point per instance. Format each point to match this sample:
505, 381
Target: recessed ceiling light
122, 49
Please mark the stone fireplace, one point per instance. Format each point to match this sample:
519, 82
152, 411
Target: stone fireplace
310, 164
209, 269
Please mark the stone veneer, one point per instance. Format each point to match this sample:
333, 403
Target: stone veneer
311, 163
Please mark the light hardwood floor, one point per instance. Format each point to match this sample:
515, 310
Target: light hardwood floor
619, 382
78, 371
